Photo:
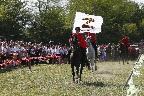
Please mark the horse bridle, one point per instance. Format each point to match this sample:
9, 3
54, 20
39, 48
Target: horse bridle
88, 41
74, 47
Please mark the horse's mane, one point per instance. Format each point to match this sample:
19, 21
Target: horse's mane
90, 49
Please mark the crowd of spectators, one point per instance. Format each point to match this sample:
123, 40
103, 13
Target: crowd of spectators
13, 52
34, 52
111, 52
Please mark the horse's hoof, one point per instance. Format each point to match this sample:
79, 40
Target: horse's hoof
95, 68
77, 81
89, 68
73, 81
76, 77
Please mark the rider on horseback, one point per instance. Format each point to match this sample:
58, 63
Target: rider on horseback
93, 41
78, 39
125, 42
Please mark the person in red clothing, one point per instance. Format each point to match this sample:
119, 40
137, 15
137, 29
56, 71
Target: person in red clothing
125, 40
78, 39
126, 43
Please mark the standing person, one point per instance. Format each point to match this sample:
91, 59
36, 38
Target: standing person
78, 37
142, 46
70, 39
4, 51
69, 54
37, 54
65, 54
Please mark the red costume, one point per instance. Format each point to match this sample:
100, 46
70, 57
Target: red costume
93, 36
125, 40
81, 41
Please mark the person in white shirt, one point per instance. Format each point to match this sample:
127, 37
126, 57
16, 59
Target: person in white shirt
58, 54
4, 51
49, 51
53, 50
65, 54
44, 51
23, 51
16, 52
57, 50
61, 53
10, 51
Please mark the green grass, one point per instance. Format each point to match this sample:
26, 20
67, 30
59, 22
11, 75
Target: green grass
56, 80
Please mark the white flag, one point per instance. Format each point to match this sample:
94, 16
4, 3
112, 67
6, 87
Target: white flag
87, 23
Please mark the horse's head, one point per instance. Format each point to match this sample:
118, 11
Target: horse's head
74, 41
88, 39
75, 52
74, 48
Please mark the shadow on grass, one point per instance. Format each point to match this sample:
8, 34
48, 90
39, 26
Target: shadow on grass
105, 72
3, 70
102, 84
96, 84
8, 69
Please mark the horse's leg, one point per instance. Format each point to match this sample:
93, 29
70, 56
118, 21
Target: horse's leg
87, 64
95, 63
119, 57
77, 74
73, 72
92, 64
123, 59
81, 69
127, 58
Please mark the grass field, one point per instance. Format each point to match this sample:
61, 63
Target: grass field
56, 80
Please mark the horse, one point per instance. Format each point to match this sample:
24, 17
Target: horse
76, 62
91, 54
123, 53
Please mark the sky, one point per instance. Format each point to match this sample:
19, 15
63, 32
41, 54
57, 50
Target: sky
138, 1
131, 0
63, 2
142, 1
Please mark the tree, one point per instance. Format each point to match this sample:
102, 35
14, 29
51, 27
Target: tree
117, 15
13, 19
48, 23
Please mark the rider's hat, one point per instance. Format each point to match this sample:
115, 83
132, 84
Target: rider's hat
77, 28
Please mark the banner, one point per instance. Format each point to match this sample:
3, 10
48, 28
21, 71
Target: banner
87, 23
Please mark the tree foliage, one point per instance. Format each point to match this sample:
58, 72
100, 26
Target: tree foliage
118, 15
13, 18
48, 20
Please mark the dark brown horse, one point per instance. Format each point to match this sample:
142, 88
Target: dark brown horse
123, 49
76, 62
